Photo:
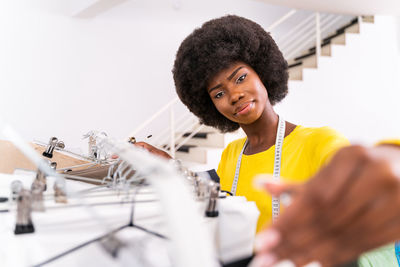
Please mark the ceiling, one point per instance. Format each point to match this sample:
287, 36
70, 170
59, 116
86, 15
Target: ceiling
353, 7
92, 8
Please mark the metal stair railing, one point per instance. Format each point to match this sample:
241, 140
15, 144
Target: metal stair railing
187, 138
185, 124
281, 20
154, 116
182, 124
308, 33
292, 35
327, 23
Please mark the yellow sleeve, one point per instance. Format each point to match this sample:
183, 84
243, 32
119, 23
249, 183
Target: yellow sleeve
329, 142
389, 142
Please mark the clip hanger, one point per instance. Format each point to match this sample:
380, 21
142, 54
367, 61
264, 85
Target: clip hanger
53, 143
24, 223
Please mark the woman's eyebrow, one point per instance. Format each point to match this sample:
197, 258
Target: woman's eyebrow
234, 73
215, 87
229, 78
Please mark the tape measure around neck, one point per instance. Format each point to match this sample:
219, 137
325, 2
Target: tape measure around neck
280, 134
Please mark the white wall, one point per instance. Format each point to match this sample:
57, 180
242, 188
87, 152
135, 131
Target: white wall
63, 76
357, 90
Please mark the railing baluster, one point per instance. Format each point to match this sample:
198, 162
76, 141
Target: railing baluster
298, 43
281, 20
172, 128
299, 38
290, 35
152, 118
317, 36
190, 136
162, 137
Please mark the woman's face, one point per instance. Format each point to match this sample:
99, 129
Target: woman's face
238, 93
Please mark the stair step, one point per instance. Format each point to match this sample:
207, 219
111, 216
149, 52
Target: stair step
343, 29
339, 39
296, 73
368, 19
197, 135
310, 61
295, 64
326, 50
353, 29
207, 139
185, 148
206, 129
200, 155
214, 140
207, 150
193, 154
324, 45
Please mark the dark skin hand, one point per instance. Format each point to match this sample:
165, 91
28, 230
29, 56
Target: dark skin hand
149, 148
153, 150
349, 207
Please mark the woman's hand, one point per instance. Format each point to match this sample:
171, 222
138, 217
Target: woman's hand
351, 206
153, 150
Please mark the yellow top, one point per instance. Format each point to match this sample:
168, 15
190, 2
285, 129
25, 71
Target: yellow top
389, 142
304, 151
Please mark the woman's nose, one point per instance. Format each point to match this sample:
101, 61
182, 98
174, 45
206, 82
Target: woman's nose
236, 95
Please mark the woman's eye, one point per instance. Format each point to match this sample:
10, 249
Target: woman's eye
241, 78
219, 94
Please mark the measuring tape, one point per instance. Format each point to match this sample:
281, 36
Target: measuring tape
280, 134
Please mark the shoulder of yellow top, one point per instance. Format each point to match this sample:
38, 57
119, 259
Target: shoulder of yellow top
389, 142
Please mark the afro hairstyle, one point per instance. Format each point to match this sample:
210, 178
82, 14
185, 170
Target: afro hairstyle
214, 47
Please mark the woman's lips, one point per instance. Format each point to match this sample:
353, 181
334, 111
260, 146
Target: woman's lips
243, 109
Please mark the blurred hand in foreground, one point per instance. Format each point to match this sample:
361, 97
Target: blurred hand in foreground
149, 148
153, 150
352, 205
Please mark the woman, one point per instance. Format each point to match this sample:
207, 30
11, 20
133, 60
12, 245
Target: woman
230, 73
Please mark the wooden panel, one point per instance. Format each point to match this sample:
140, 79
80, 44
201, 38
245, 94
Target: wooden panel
11, 158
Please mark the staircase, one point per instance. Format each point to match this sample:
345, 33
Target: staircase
308, 58
356, 89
